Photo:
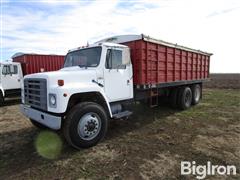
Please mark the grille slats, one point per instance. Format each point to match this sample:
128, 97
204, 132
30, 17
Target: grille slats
35, 93
34, 101
33, 89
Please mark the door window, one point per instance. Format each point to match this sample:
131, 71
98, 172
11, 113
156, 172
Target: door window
114, 59
14, 69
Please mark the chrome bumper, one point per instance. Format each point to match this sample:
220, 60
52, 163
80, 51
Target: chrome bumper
51, 121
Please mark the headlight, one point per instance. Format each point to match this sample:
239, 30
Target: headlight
52, 100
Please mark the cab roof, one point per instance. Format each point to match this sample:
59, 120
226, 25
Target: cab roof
108, 44
8, 63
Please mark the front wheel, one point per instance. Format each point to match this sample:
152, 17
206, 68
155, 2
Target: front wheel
85, 125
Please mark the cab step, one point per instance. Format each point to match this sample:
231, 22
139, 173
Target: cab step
122, 114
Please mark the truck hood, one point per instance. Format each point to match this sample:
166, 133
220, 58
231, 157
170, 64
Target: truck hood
71, 76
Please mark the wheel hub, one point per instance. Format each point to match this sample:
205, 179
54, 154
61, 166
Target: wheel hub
89, 126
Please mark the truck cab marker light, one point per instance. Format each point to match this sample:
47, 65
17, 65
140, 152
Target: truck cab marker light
60, 82
64, 94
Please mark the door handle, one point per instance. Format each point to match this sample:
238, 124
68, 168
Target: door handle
128, 82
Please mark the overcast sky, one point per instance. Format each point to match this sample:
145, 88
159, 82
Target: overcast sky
53, 27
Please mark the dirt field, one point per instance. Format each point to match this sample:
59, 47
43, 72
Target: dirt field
222, 80
150, 145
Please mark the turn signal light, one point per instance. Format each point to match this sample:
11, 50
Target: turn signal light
60, 82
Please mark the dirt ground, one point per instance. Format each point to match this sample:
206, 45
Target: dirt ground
149, 145
224, 81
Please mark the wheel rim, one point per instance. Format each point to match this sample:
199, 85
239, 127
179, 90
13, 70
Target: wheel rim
89, 126
197, 94
188, 98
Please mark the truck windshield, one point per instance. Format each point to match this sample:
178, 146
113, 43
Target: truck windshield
84, 57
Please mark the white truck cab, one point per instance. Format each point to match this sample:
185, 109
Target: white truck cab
81, 97
10, 79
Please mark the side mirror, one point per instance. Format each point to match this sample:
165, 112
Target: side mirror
109, 64
12, 70
126, 60
109, 59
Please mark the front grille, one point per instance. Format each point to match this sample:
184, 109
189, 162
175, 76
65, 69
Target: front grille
35, 93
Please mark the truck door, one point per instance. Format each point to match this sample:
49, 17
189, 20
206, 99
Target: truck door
118, 75
10, 77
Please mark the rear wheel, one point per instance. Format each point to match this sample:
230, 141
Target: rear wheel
1, 99
196, 94
86, 124
184, 98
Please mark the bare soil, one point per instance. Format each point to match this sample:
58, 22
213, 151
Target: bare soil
149, 145
224, 80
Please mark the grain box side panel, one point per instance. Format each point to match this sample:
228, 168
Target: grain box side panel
156, 63
207, 67
170, 65
162, 56
32, 63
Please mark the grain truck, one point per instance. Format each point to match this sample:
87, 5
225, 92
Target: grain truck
100, 81
12, 72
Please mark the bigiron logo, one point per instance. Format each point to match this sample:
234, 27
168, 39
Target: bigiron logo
201, 171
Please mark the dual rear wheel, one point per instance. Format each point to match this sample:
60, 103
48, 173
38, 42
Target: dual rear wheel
185, 96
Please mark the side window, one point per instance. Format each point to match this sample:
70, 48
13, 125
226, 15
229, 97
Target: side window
14, 69
6, 70
114, 59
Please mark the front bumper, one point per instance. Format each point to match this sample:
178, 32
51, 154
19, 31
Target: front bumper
51, 121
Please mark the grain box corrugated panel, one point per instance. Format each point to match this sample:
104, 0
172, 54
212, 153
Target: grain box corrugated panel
32, 63
155, 64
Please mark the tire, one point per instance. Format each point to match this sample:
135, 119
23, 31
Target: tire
1, 99
85, 125
174, 97
37, 124
184, 98
196, 94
